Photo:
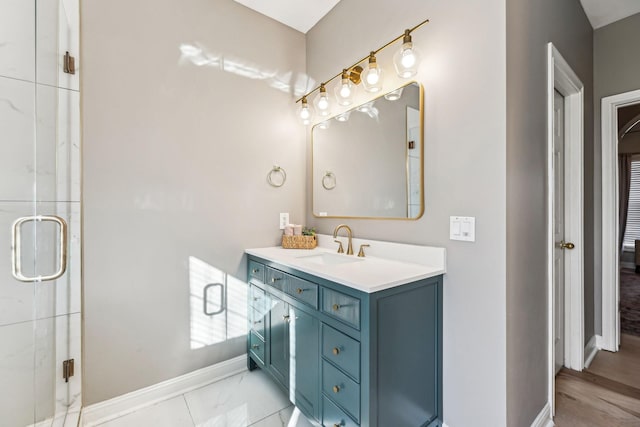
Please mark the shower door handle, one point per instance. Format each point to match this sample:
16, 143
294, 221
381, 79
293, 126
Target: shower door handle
16, 248
204, 298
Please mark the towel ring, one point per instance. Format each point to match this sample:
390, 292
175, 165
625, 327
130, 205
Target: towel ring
274, 173
329, 180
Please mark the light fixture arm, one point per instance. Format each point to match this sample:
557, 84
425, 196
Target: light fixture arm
404, 35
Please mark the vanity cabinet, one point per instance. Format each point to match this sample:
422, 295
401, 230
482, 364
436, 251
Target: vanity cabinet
347, 357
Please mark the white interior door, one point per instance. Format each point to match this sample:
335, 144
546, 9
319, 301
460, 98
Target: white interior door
558, 230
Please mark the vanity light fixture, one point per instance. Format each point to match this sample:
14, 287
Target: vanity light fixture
372, 76
322, 102
305, 111
407, 59
406, 62
347, 88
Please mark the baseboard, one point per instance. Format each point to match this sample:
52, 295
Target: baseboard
630, 265
599, 341
101, 412
590, 351
544, 417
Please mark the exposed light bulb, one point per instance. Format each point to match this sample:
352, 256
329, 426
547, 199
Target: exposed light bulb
305, 112
372, 75
343, 117
344, 92
322, 102
407, 59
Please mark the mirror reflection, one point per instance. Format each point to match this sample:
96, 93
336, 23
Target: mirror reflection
367, 162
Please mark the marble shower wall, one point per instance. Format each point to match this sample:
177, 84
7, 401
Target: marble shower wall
39, 175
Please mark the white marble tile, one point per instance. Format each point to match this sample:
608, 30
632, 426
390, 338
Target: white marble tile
27, 371
45, 152
17, 151
19, 301
288, 417
17, 39
237, 401
169, 413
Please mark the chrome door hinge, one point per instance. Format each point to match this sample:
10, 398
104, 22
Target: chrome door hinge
67, 369
69, 66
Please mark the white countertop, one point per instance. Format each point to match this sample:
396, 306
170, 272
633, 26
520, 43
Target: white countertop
369, 274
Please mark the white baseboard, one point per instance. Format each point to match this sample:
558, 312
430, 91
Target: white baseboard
101, 412
599, 341
544, 417
590, 350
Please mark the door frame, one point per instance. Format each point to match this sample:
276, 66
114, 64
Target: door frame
561, 77
610, 214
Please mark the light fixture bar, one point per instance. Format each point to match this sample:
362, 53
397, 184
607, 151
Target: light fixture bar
404, 33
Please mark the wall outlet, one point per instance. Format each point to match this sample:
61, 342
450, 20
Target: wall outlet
284, 220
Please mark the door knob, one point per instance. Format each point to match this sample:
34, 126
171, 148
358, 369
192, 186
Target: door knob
566, 245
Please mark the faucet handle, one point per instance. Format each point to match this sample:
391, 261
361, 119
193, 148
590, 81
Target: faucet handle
340, 248
361, 251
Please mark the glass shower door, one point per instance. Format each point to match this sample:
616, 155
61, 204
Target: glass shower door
39, 217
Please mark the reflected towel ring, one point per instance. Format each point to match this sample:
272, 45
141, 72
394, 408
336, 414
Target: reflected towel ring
329, 180
276, 176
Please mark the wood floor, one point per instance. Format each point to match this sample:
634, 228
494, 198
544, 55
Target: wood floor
605, 395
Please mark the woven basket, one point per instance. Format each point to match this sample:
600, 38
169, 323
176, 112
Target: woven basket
299, 242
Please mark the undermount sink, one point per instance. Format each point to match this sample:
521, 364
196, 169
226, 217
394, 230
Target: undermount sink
330, 259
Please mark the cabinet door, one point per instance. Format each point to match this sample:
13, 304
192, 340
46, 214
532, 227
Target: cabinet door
279, 340
305, 361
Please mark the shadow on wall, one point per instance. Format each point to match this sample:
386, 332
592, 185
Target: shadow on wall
296, 84
218, 305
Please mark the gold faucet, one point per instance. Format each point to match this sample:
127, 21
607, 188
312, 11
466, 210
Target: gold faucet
349, 235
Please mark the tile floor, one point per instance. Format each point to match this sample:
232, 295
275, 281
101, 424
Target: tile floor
246, 399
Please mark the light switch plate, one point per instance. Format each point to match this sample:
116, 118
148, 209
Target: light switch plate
284, 220
462, 228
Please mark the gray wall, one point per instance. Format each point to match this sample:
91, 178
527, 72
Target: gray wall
616, 67
530, 26
175, 164
464, 75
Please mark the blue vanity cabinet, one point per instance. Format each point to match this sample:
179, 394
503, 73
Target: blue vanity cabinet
347, 357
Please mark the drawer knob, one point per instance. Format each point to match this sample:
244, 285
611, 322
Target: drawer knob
275, 279
256, 298
336, 351
336, 307
299, 290
257, 321
255, 270
336, 389
286, 318
255, 346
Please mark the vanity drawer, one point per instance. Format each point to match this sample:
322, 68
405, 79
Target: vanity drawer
256, 346
332, 416
257, 298
302, 290
257, 322
343, 307
342, 350
256, 271
341, 389
276, 278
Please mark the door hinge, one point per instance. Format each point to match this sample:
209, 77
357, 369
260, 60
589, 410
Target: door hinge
69, 66
67, 369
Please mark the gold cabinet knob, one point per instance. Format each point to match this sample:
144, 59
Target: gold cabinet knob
336, 389
275, 279
336, 307
286, 318
257, 322
566, 245
255, 270
255, 346
336, 351
299, 290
